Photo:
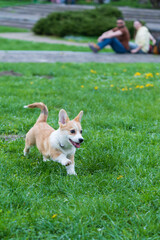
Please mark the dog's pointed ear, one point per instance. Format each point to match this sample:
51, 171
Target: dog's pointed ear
79, 117
63, 117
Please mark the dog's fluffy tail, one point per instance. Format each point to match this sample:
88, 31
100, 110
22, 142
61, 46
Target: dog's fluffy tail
44, 111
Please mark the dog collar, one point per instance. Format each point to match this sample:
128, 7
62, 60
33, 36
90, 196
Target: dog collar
62, 146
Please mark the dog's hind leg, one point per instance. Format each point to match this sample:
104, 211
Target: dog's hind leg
29, 142
27, 147
26, 151
45, 159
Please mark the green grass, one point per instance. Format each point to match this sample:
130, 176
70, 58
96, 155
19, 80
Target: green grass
8, 44
4, 29
130, 3
11, 44
83, 39
116, 192
9, 3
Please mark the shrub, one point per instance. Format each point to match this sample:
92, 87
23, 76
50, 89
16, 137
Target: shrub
87, 23
130, 27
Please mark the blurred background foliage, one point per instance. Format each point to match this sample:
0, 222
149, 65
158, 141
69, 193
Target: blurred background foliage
80, 23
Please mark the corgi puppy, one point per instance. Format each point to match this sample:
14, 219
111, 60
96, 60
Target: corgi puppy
58, 145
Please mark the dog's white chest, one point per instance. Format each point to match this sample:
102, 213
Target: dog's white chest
58, 142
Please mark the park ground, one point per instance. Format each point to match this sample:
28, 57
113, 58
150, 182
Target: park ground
116, 192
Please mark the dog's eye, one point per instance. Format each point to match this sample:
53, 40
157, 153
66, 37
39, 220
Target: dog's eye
72, 131
81, 131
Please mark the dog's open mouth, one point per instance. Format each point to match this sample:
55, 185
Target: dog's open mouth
77, 145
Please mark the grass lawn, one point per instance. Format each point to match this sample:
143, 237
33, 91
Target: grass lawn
11, 44
6, 29
8, 44
116, 192
130, 3
9, 3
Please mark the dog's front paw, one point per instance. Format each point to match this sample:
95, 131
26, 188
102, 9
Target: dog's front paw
45, 159
71, 170
67, 163
72, 173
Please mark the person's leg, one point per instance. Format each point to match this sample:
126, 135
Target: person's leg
140, 51
117, 46
96, 47
113, 42
132, 45
104, 43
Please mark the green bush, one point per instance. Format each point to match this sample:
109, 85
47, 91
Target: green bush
130, 27
85, 23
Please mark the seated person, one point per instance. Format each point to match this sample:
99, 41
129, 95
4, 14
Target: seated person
142, 39
118, 38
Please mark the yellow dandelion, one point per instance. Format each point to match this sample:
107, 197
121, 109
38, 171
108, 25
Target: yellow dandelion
55, 215
157, 74
63, 66
124, 70
82, 86
139, 86
130, 88
96, 88
149, 85
31, 83
111, 85
148, 75
124, 89
120, 176
93, 71
137, 74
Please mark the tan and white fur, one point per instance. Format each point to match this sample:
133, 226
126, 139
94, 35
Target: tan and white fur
58, 145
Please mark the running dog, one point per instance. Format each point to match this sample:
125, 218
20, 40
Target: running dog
58, 145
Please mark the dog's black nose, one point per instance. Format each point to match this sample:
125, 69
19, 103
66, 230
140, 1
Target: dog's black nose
81, 140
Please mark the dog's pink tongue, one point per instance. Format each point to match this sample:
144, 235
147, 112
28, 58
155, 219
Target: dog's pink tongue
77, 145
